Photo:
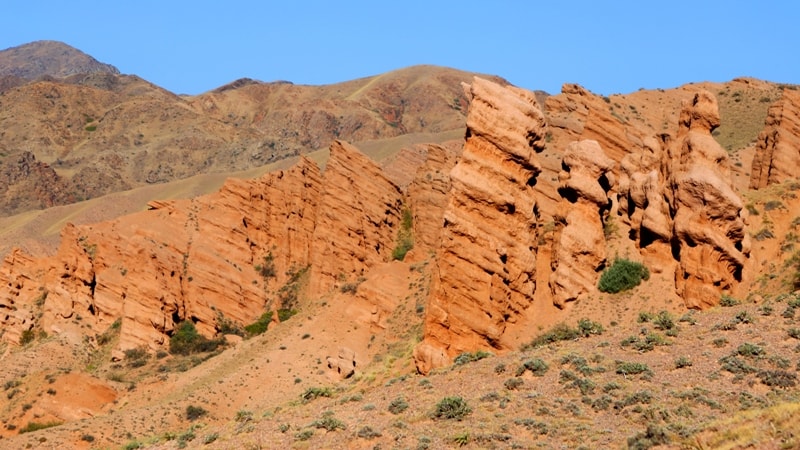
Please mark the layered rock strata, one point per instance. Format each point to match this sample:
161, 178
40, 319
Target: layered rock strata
485, 274
580, 251
778, 146
220, 256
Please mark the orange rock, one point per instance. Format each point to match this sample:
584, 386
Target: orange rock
485, 274
580, 247
428, 197
356, 223
709, 220
778, 146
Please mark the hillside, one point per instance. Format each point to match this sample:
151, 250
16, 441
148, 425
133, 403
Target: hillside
97, 132
557, 271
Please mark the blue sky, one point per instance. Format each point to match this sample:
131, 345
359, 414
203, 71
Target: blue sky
608, 47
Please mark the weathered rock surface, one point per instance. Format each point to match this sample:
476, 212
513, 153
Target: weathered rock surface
709, 219
485, 274
778, 146
580, 247
357, 218
199, 259
26, 181
428, 197
344, 364
643, 194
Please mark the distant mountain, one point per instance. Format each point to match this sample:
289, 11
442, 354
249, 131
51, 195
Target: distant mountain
48, 58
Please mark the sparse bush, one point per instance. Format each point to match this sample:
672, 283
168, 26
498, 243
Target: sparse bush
259, 326
664, 321
304, 435
451, 408
683, 361
461, 439
654, 435
398, 405
777, 378
513, 384
632, 368
329, 423
405, 237
468, 357
752, 350
286, 314
185, 340
368, 433
87, 438
736, 365
560, 332
267, 268
622, 275
727, 301
195, 412
536, 366
316, 392
588, 328
27, 337
36, 426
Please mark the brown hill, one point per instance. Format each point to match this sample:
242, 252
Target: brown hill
48, 58
103, 132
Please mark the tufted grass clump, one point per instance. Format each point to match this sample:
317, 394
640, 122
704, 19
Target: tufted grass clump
451, 408
623, 275
468, 357
185, 340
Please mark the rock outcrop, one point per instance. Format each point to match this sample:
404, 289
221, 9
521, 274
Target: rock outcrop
709, 229
223, 255
28, 183
357, 218
428, 197
580, 251
778, 146
485, 274
643, 194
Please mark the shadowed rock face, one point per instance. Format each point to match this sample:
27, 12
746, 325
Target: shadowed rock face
778, 147
709, 220
485, 275
199, 259
580, 250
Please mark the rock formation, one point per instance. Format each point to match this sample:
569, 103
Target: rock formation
357, 218
221, 255
580, 247
710, 236
428, 196
643, 194
778, 147
485, 274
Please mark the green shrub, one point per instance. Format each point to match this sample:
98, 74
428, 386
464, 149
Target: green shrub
398, 405
468, 357
777, 378
537, 367
513, 384
316, 392
405, 237
26, 337
267, 268
451, 408
587, 328
36, 426
560, 332
683, 361
195, 412
260, 325
622, 275
286, 314
654, 435
185, 340
632, 368
664, 321
329, 423
727, 301
368, 433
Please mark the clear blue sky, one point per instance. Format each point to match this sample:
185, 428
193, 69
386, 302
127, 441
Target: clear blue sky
608, 47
